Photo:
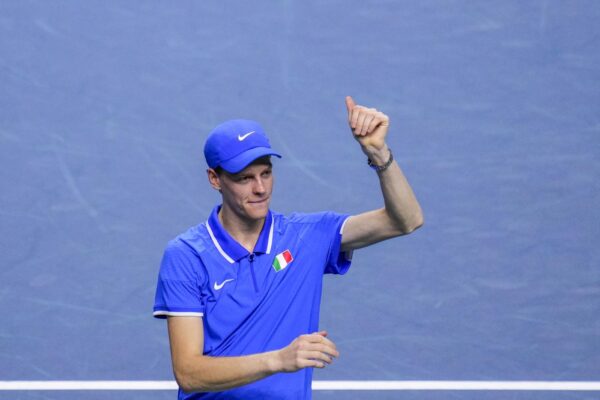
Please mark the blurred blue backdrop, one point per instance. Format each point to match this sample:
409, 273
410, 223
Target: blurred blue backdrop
495, 120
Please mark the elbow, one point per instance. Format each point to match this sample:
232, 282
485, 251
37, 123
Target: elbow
411, 225
187, 388
419, 223
190, 382
189, 385
185, 382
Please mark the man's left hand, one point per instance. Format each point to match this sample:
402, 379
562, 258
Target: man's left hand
369, 128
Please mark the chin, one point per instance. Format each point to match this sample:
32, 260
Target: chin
258, 211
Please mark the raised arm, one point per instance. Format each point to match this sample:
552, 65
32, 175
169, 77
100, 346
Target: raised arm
401, 213
196, 372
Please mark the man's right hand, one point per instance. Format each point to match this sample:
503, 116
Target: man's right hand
312, 350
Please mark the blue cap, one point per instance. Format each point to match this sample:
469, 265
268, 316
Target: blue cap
234, 144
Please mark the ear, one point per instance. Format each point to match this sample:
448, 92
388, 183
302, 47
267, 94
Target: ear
213, 179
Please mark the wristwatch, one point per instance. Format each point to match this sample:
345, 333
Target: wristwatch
381, 168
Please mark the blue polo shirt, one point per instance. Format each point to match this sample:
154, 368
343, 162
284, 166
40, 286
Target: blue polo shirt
253, 302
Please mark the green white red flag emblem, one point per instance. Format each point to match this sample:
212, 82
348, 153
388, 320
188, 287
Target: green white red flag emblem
282, 260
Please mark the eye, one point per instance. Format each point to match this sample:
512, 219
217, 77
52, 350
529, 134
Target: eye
266, 173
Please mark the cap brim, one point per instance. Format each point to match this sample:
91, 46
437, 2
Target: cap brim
241, 161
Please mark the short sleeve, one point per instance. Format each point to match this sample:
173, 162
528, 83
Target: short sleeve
338, 262
178, 291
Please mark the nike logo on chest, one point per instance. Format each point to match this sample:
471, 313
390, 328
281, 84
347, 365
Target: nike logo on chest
219, 286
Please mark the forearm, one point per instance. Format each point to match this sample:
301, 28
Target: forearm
401, 205
212, 374
196, 372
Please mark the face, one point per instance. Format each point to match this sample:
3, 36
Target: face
246, 194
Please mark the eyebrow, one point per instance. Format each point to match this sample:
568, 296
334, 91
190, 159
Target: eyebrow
242, 174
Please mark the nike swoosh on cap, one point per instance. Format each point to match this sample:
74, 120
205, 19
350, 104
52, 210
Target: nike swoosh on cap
244, 136
218, 286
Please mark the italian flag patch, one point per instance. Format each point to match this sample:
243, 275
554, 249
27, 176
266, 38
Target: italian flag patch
282, 260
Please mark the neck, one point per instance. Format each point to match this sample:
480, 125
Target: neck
245, 232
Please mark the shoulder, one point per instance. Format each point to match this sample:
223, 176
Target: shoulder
325, 221
316, 218
182, 259
312, 218
187, 247
195, 240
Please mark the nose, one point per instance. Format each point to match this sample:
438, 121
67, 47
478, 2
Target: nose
259, 186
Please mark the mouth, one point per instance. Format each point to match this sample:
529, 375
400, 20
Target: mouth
259, 202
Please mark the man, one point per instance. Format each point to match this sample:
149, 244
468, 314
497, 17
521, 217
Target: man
241, 292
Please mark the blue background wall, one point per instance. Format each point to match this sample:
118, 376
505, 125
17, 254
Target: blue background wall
495, 119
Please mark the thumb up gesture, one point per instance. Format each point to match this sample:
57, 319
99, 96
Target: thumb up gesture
368, 125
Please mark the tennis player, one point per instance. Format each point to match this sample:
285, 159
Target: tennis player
241, 292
